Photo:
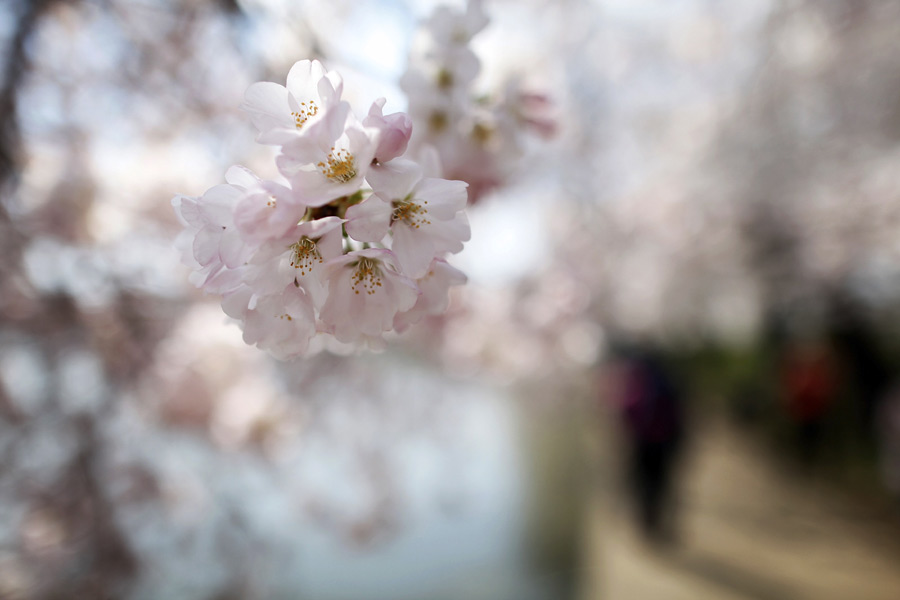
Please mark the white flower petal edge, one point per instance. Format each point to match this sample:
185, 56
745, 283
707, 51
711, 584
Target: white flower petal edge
435, 297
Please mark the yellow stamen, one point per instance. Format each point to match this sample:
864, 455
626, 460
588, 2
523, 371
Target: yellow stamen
341, 166
305, 255
306, 111
368, 275
444, 79
482, 133
437, 121
410, 212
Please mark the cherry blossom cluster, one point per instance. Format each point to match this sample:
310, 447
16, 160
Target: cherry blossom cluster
479, 137
350, 244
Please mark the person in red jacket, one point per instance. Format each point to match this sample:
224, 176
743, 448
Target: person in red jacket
809, 381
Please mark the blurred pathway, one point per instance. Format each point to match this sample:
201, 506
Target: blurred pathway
748, 530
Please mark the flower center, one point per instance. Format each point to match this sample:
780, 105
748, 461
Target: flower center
367, 276
305, 113
482, 133
437, 121
444, 79
410, 212
340, 166
305, 254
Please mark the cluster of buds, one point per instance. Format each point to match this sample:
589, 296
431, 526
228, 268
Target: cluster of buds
351, 244
478, 136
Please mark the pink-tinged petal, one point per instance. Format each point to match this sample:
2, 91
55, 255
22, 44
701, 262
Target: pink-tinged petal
445, 197
377, 108
330, 88
267, 105
281, 323
315, 287
221, 281
242, 177
291, 168
206, 245
306, 151
395, 135
315, 189
318, 228
414, 249
232, 251
336, 121
218, 202
303, 78
435, 298
362, 142
450, 235
235, 303
332, 124
398, 294
262, 216
430, 160
365, 291
337, 84
187, 211
309, 270
330, 236
370, 220
297, 304
270, 277
382, 255
408, 293
394, 180
436, 284
395, 129
336, 309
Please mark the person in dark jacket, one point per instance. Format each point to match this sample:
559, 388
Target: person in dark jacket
652, 411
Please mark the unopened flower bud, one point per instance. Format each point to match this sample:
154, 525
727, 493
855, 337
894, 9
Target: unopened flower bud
395, 128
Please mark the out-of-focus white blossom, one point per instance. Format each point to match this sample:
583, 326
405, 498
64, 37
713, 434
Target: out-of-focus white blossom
478, 136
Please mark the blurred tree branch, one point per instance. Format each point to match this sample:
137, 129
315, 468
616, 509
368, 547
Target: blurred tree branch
14, 71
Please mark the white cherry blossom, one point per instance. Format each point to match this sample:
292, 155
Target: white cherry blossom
450, 26
281, 113
366, 290
331, 161
281, 323
297, 257
424, 215
210, 243
435, 293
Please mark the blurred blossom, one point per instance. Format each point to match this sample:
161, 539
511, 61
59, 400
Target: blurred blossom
23, 371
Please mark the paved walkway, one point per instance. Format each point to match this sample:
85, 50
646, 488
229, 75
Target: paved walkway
748, 530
